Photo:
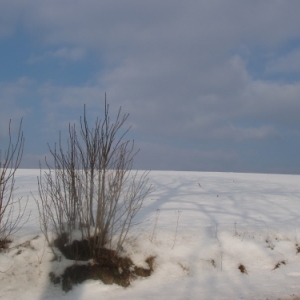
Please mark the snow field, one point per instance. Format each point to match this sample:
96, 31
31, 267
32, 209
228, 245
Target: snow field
201, 227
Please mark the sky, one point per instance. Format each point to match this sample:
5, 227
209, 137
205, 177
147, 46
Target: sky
209, 85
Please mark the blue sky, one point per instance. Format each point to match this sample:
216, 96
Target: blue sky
210, 85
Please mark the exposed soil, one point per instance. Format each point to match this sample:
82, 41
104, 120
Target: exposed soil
279, 264
4, 244
243, 269
107, 265
77, 250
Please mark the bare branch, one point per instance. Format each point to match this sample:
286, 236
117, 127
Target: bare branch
91, 186
10, 159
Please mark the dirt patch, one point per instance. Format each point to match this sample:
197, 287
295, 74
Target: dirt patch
243, 269
107, 266
77, 250
283, 262
4, 244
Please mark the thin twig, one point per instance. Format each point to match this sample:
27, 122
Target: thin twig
155, 224
175, 237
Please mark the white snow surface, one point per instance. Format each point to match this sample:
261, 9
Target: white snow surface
200, 227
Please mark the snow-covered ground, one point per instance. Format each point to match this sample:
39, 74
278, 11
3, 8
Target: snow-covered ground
201, 227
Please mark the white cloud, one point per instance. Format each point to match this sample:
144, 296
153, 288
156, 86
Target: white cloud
174, 67
10, 13
163, 102
288, 63
272, 102
162, 156
10, 94
71, 54
234, 133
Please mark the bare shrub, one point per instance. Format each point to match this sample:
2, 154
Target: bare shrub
11, 211
91, 189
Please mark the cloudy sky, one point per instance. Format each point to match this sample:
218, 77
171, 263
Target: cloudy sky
210, 85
